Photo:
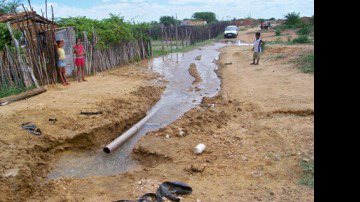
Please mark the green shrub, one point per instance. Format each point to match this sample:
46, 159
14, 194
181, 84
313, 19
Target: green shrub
278, 40
305, 30
306, 62
278, 32
302, 39
110, 30
308, 174
5, 37
292, 19
8, 91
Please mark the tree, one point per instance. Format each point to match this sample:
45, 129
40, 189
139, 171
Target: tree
209, 17
9, 6
168, 20
110, 30
292, 19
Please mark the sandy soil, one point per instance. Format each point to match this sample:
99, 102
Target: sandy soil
123, 96
256, 132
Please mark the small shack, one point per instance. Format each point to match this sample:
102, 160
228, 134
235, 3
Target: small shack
38, 31
32, 26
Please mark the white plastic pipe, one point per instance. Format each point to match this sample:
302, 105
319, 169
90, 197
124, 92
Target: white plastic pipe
125, 136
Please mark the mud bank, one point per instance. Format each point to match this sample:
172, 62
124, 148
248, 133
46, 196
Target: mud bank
193, 72
122, 96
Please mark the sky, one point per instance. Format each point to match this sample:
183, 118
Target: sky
151, 10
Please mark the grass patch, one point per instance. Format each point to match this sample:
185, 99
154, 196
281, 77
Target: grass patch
306, 62
306, 30
308, 174
278, 32
279, 56
6, 91
302, 39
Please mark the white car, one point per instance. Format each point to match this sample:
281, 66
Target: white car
231, 31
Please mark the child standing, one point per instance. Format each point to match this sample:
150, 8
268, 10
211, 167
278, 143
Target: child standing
257, 48
79, 59
61, 61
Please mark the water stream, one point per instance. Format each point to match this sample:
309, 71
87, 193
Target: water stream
179, 97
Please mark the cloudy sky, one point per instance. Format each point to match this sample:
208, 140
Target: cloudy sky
148, 10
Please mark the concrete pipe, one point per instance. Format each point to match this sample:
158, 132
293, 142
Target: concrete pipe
125, 136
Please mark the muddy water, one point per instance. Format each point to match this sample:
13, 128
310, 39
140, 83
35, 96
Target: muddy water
179, 97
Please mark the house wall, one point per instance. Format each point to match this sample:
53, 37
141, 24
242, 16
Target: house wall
68, 35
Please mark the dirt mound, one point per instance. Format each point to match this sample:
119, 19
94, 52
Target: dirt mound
193, 72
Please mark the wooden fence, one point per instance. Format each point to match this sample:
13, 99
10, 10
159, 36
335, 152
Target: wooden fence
35, 65
174, 36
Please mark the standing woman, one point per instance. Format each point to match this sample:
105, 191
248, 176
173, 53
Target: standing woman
61, 61
79, 59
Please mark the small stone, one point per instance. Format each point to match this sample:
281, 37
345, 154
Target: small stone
139, 183
256, 173
167, 136
11, 173
277, 157
197, 168
306, 159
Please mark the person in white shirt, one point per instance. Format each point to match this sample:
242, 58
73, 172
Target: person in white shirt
257, 48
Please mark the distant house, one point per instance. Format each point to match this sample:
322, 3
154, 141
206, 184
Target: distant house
25, 22
247, 22
306, 19
280, 21
193, 23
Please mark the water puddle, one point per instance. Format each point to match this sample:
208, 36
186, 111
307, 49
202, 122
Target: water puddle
239, 43
179, 97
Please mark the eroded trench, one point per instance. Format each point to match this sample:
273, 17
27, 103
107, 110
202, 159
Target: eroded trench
181, 95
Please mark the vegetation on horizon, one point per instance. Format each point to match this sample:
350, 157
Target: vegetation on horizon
110, 30
209, 17
168, 20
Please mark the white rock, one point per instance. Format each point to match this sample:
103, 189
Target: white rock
11, 173
199, 148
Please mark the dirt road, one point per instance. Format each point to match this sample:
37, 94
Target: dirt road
256, 131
